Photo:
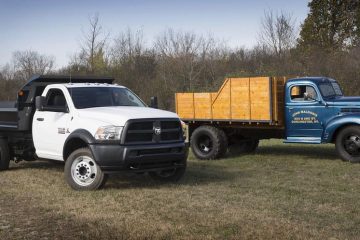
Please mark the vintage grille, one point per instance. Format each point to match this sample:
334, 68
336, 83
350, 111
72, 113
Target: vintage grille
350, 110
139, 132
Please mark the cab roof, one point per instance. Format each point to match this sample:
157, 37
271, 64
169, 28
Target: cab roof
68, 79
316, 80
82, 85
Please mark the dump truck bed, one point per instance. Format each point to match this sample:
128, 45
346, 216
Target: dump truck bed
247, 100
8, 116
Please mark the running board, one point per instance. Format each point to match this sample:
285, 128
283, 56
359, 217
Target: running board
311, 140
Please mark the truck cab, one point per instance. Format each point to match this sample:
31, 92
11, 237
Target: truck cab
317, 111
310, 107
96, 127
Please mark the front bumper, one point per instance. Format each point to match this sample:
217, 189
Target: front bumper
140, 158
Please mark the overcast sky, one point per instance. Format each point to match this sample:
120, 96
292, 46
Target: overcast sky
54, 27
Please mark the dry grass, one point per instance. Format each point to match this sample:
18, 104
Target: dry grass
281, 192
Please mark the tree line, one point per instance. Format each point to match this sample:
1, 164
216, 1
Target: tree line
327, 44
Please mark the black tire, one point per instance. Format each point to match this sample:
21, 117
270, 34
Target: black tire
82, 172
240, 145
348, 144
224, 143
208, 142
165, 176
4, 155
251, 146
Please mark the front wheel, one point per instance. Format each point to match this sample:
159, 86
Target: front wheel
172, 175
348, 144
4, 155
82, 172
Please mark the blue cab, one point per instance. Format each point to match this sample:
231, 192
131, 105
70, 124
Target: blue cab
316, 111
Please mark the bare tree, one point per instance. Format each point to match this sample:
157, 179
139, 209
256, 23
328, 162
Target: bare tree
28, 63
277, 33
127, 46
132, 62
92, 53
182, 53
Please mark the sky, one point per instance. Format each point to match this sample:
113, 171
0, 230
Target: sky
55, 27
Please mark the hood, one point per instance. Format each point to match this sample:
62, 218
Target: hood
346, 101
118, 116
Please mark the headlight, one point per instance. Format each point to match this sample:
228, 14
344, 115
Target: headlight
108, 133
184, 129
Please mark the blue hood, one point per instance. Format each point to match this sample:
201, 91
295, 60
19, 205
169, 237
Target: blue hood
345, 101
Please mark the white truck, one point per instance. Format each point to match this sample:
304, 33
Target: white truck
96, 127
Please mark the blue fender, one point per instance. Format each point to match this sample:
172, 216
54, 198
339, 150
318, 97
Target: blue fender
339, 122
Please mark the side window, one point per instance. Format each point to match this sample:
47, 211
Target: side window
55, 98
303, 93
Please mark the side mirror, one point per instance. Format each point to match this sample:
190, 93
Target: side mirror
154, 102
40, 103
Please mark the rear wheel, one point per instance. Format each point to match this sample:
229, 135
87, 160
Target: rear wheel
224, 143
4, 155
348, 144
171, 175
251, 146
243, 146
82, 172
208, 142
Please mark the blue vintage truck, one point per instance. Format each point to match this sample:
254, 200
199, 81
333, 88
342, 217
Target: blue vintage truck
310, 110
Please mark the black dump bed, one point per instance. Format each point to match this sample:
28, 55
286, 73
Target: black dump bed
8, 115
18, 115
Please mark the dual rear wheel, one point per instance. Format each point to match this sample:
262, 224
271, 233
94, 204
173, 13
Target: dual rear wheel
208, 142
4, 155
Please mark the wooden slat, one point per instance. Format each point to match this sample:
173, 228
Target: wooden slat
260, 98
216, 95
240, 98
279, 99
185, 105
202, 104
221, 104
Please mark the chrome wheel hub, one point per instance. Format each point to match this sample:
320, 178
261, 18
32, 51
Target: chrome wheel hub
83, 170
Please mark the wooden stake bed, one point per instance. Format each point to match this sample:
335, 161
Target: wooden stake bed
247, 100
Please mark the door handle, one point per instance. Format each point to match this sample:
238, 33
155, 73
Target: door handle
40, 119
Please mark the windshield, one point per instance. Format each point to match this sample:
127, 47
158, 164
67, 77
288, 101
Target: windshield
330, 89
90, 97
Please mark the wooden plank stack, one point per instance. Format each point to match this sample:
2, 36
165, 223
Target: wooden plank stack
259, 99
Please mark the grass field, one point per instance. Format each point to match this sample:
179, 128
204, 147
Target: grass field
281, 192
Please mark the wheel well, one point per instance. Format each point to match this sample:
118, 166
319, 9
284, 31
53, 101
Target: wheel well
73, 145
339, 129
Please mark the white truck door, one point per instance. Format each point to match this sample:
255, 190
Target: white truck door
50, 127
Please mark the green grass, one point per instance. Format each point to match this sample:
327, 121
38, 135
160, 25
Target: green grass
282, 192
